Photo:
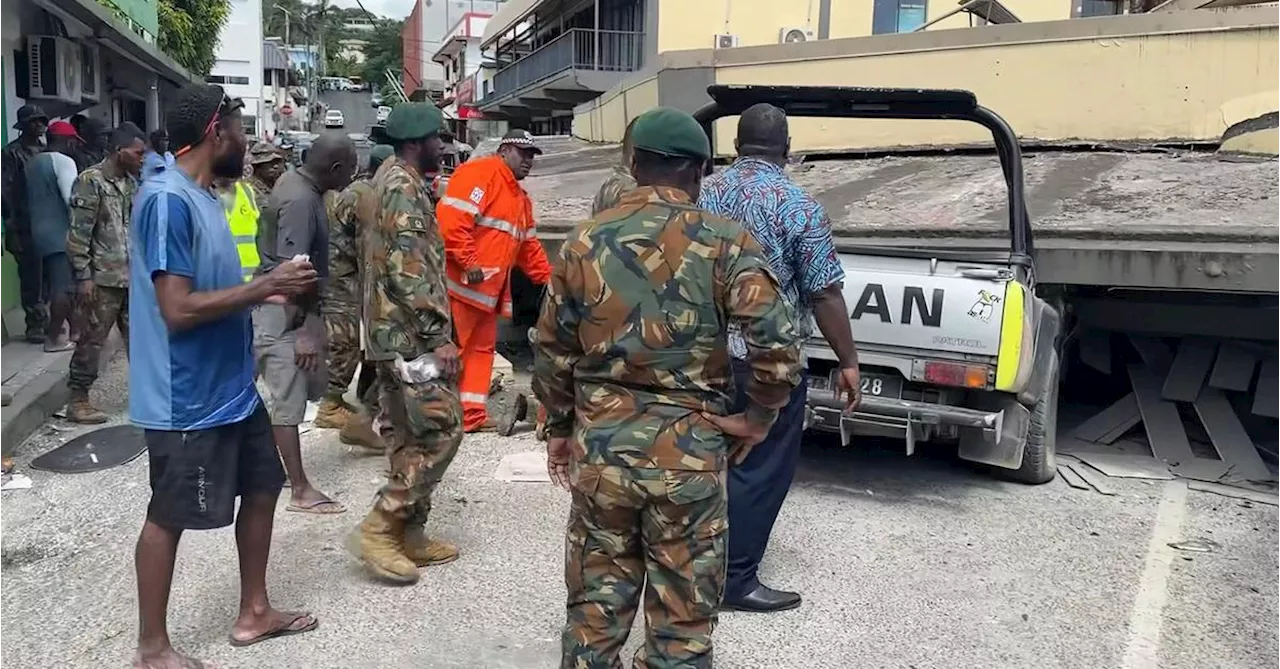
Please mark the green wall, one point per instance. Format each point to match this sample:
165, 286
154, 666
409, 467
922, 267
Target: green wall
8, 269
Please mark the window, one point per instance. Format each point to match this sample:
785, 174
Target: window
1088, 8
898, 16
221, 79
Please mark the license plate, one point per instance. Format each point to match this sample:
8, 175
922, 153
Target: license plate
876, 385
873, 385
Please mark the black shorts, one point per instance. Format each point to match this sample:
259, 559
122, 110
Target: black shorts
196, 475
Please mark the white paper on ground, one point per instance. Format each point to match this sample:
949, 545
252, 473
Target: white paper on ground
16, 482
527, 467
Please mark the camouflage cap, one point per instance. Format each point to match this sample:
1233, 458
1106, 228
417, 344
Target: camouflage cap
263, 152
414, 120
670, 132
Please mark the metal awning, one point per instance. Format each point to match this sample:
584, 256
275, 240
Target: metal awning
509, 14
990, 11
274, 57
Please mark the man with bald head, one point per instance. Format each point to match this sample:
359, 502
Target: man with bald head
795, 234
289, 338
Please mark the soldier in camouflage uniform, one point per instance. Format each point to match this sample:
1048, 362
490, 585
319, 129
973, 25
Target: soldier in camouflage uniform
408, 327
353, 213
620, 180
633, 368
268, 164
98, 248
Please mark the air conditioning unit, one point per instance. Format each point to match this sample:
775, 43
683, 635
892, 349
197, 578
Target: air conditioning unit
726, 41
794, 35
53, 69
90, 73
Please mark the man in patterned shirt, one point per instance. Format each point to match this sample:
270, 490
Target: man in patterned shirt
795, 234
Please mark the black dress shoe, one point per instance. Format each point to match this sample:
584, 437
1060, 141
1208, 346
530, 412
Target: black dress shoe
763, 600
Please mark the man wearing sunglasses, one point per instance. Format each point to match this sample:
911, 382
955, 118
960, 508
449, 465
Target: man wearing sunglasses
191, 386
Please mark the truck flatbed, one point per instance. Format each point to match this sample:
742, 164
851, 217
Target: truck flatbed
1142, 219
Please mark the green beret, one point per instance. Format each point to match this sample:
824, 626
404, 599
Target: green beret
414, 120
379, 153
670, 132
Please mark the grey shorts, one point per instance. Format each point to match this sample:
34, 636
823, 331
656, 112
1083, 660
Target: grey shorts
285, 388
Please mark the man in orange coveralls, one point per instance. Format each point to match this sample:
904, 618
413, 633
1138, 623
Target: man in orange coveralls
486, 220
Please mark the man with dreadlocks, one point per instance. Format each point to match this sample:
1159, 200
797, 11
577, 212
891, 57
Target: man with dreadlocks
191, 386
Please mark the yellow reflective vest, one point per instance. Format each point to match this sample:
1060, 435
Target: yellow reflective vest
243, 217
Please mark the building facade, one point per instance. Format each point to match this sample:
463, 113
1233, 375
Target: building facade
425, 31
238, 67
552, 55
104, 64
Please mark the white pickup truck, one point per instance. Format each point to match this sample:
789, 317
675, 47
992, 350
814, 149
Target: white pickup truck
954, 345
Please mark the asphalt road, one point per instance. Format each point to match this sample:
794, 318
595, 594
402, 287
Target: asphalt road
355, 108
917, 562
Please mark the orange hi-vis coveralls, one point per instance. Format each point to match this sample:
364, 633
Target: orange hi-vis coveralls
486, 220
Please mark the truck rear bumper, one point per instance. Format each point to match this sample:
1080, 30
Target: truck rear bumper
995, 437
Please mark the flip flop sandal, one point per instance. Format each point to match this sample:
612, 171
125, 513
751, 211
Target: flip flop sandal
287, 630
318, 508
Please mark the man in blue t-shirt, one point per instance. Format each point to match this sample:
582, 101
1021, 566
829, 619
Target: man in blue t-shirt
191, 375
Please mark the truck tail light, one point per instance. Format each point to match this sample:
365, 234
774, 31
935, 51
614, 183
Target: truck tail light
956, 374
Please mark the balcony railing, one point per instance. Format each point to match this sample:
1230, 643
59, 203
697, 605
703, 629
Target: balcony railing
620, 51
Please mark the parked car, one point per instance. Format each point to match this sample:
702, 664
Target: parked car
383, 113
334, 119
375, 100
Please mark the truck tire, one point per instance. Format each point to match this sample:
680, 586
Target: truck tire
1039, 464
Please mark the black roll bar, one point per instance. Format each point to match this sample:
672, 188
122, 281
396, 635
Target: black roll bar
891, 103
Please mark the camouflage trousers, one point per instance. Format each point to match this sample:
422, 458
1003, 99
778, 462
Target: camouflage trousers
342, 330
661, 530
426, 430
107, 307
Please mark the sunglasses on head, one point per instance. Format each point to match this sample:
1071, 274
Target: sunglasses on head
224, 108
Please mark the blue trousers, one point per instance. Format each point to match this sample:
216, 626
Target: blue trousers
759, 485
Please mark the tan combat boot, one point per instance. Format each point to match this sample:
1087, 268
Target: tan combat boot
425, 551
79, 410
332, 414
378, 542
359, 432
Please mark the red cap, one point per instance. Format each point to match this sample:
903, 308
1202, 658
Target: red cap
63, 129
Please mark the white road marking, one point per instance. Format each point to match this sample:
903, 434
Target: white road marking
1143, 648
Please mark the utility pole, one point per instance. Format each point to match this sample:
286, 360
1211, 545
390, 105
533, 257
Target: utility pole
287, 17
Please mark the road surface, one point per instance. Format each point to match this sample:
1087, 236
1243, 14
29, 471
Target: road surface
903, 563
355, 109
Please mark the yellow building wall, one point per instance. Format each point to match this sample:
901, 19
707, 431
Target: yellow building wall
606, 118
1139, 87
693, 24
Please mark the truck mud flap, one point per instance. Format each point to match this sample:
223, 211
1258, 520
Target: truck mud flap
1001, 445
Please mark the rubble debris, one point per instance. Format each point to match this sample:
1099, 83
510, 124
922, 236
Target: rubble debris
527, 467
15, 482
1196, 546
1089, 475
1123, 465
1235, 492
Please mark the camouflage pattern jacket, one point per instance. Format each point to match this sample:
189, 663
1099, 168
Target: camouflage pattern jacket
620, 181
98, 239
350, 213
406, 309
631, 346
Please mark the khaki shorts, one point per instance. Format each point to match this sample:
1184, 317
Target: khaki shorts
283, 385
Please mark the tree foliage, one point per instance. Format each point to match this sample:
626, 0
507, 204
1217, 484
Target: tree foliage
384, 51
189, 31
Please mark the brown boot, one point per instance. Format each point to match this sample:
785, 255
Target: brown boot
425, 551
378, 542
359, 432
332, 414
79, 410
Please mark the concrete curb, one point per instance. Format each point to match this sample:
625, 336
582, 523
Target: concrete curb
42, 396
32, 405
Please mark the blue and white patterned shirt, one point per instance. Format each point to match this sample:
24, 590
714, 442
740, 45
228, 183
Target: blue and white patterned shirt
791, 227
